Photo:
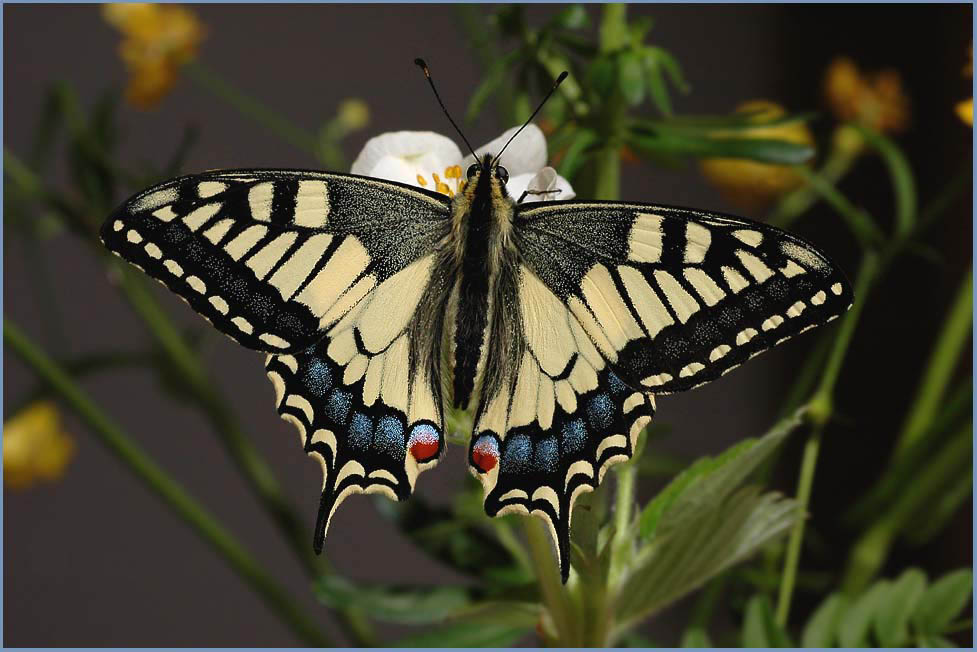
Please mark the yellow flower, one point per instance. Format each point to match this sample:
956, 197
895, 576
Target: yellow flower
35, 446
158, 39
876, 100
965, 109
750, 185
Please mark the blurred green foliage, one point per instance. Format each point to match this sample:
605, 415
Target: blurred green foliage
631, 558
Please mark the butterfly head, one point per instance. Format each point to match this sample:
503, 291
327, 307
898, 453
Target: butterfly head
487, 168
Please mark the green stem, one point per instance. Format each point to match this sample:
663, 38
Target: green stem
819, 412
870, 551
258, 474
903, 185
863, 227
944, 359
252, 108
607, 171
796, 203
554, 594
162, 485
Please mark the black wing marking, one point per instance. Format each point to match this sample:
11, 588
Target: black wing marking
273, 257
366, 398
558, 422
674, 298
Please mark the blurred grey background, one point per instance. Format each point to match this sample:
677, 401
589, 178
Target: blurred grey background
94, 559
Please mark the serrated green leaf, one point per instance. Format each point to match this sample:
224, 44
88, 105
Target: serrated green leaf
856, 623
464, 635
760, 629
942, 601
935, 640
891, 622
695, 547
710, 480
696, 637
410, 605
821, 627
631, 78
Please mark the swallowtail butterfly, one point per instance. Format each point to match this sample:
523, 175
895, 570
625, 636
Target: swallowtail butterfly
556, 321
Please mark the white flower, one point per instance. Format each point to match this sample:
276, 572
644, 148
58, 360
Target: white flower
432, 161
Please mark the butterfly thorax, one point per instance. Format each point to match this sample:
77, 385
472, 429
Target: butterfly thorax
481, 225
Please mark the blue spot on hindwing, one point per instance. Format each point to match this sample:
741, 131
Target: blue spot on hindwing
515, 458
615, 384
547, 455
600, 412
337, 407
389, 437
573, 436
360, 429
317, 378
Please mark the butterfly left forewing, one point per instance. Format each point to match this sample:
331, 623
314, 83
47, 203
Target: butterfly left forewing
272, 257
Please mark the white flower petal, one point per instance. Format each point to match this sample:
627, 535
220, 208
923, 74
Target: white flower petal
527, 153
545, 179
424, 150
393, 168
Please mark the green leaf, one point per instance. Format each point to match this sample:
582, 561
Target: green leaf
710, 480
572, 17
935, 640
464, 635
857, 621
897, 606
696, 637
760, 629
934, 519
820, 630
657, 88
942, 601
601, 76
576, 154
494, 77
695, 543
412, 605
631, 78
448, 537
664, 60
764, 150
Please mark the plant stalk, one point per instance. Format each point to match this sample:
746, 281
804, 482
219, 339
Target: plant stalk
142, 466
944, 359
819, 412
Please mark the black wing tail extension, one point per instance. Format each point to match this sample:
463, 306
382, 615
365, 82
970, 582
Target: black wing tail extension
543, 472
362, 448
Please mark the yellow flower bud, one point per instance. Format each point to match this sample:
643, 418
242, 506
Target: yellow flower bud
157, 40
876, 100
35, 446
353, 114
751, 185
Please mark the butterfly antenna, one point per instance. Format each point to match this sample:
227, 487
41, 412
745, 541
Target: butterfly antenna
556, 84
427, 73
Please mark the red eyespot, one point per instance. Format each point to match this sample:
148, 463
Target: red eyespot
485, 454
424, 442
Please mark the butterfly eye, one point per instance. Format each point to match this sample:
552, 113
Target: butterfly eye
473, 170
502, 174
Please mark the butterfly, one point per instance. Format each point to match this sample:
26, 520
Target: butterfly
557, 322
